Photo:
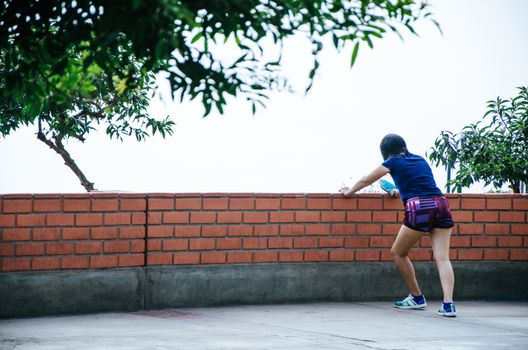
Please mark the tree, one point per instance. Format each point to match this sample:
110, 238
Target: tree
68, 65
494, 150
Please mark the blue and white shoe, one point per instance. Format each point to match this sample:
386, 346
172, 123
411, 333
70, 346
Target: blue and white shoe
411, 303
447, 310
388, 187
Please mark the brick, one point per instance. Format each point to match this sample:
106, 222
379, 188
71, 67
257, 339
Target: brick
213, 258
390, 229
88, 248
420, 255
315, 255
502, 203
392, 203
319, 203
510, 242
7, 249
201, 244
159, 259
105, 205
307, 216
254, 243
496, 254
29, 249
343, 229
239, 257
511, 216
344, 203
186, 258
139, 218
214, 231
356, 242
381, 242
293, 203
290, 256
45, 263
46, 234
176, 218
42, 205
17, 206
234, 217
104, 233
462, 216
31, 220
367, 255
240, 230
215, 203
255, 217
305, 242
318, 229
103, 261
75, 262
470, 254
519, 254
268, 204
333, 216
341, 255
203, 218
460, 242
369, 229
187, 231
291, 230
16, 264
116, 246
265, 256
160, 204
425, 242
75, 233
282, 216
117, 219
359, 216
241, 204
59, 248
486, 216
7, 220
520, 203
154, 218
471, 229
132, 232
386, 255
228, 243
483, 241
137, 246
275, 243
88, 219
266, 230
384, 216
133, 204
154, 245
370, 203
497, 229
519, 229
131, 260
175, 245
473, 203
188, 204
77, 205
60, 219
16, 234
160, 231
334, 242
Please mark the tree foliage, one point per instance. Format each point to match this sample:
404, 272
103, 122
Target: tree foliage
69, 65
493, 150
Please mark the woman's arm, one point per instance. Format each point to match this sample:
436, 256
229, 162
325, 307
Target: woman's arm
374, 176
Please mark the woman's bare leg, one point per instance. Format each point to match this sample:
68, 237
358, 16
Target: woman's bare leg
405, 240
440, 239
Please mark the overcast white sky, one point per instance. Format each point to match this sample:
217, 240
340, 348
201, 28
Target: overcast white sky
311, 143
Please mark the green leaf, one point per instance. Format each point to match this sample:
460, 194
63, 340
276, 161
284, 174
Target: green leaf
354, 54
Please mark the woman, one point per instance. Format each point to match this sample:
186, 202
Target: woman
426, 210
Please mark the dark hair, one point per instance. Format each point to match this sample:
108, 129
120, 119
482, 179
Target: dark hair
392, 144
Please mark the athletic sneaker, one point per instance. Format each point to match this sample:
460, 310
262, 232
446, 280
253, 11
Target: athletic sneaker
447, 310
411, 302
386, 186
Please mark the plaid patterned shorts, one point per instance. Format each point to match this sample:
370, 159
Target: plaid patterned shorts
427, 212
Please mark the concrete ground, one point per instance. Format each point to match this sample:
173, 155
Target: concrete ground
365, 325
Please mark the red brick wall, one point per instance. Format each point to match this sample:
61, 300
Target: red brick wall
81, 231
